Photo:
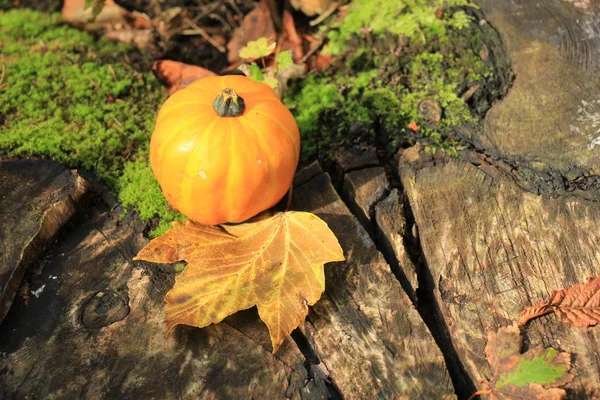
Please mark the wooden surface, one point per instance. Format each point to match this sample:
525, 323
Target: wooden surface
365, 328
95, 327
49, 348
36, 200
493, 249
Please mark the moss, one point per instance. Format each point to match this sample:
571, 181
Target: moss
374, 92
77, 100
139, 189
414, 19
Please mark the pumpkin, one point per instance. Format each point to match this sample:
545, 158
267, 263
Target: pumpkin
224, 149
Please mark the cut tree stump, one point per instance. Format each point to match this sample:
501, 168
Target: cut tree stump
493, 249
365, 328
96, 330
36, 199
94, 327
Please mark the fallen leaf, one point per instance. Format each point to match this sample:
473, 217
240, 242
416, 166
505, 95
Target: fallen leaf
273, 261
176, 75
578, 305
322, 61
413, 126
290, 39
255, 25
312, 7
535, 374
115, 22
94, 16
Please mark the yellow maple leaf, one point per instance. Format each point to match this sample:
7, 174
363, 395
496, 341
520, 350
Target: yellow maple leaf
273, 261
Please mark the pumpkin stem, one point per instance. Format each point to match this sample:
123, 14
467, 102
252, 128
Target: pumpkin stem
229, 104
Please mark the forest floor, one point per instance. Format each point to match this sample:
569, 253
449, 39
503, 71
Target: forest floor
451, 146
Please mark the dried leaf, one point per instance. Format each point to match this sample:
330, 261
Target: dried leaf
255, 25
290, 39
578, 305
312, 7
413, 126
176, 75
535, 374
93, 16
115, 22
274, 262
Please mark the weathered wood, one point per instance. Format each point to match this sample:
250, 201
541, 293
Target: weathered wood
493, 248
391, 231
365, 329
95, 330
36, 199
547, 118
363, 189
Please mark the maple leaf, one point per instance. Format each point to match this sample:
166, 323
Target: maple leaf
273, 261
535, 374
578, 305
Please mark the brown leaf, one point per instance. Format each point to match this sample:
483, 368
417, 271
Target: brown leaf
322, 61
91, 18
176, 75
273, 261
106, 16
578, 305
312, 7
535, 374
256, 24
291, 40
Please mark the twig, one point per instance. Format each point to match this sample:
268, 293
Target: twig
209, 9
332, 8
206, 36
315, 46
236, 8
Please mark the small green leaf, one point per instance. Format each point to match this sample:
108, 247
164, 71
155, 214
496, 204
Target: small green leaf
272, 82
257, 49
540, 369
284, 59
255, 73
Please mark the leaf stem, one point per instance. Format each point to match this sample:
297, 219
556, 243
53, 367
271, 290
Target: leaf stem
479, 393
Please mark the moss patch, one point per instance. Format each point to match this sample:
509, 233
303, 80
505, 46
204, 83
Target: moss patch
72, 98
394, 54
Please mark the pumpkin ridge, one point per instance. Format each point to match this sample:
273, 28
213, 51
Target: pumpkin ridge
185, 191
251, 157
292, 137
263, 147
171, 107
175, 135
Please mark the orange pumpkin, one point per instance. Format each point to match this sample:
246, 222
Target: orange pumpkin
224, 149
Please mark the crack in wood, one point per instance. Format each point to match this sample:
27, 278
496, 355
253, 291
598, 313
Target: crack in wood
422, 296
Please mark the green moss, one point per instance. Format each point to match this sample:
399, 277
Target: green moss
139, 189
415, 19
77, 100
382, 78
